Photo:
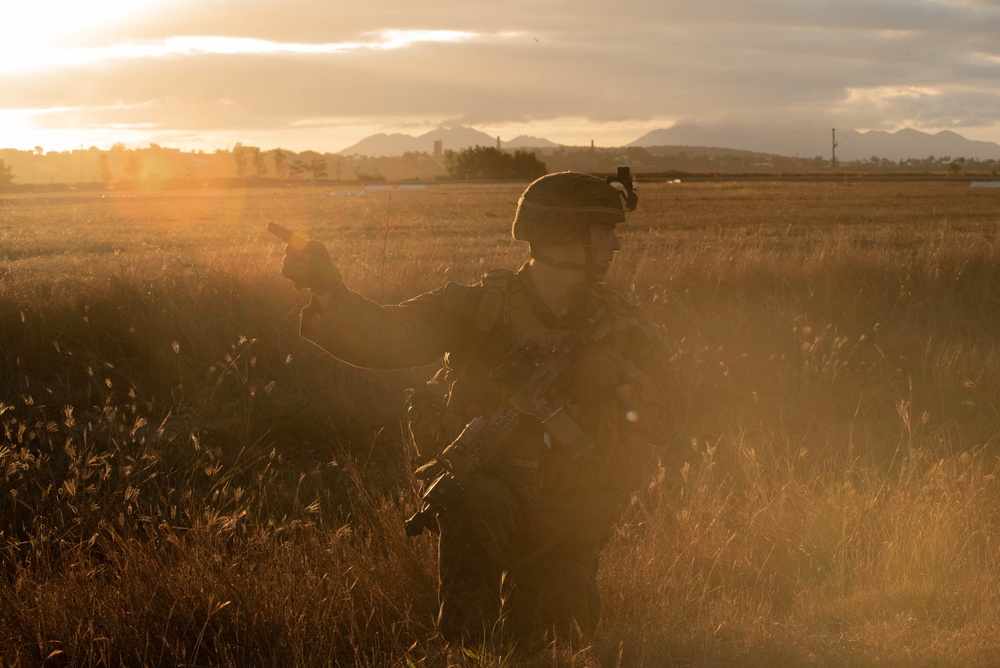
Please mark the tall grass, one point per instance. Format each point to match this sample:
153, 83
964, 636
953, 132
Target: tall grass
185, 481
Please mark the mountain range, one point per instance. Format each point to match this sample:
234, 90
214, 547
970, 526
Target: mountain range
851, 144
453, 138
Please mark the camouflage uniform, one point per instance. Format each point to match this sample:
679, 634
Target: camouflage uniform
560, 583
537, 568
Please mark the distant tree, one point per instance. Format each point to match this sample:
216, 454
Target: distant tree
317, 167
240, 156
259, 166
105, 168
6, 175
487, 162
525, 165
133, 166
38, 150
280, 164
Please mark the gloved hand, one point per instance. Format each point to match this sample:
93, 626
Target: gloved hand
309, 266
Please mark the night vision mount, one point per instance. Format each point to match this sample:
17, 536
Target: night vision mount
622, 182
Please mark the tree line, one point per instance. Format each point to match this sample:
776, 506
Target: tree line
121, 167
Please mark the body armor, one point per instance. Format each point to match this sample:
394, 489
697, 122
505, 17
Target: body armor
573, 498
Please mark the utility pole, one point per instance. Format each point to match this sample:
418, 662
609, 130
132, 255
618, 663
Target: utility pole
833, 162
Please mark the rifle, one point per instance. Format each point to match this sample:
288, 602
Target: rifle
479, 444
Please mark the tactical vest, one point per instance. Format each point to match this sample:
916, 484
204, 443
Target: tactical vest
566, 501
505, 320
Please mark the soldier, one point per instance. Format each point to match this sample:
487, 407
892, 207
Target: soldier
518, 551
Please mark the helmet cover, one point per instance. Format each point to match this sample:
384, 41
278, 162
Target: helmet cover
561, 207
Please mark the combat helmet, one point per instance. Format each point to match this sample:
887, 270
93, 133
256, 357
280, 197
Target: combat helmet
561, 207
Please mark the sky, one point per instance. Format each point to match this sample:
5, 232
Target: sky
324, 74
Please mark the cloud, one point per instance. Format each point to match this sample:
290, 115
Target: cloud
224, 65
75, 57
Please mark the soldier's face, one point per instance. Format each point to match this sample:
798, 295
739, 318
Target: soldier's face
604, 243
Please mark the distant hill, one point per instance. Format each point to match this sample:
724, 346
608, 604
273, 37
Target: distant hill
524, 141
913, 143
851, 145
453, 138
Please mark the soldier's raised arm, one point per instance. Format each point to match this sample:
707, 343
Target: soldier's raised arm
362, 332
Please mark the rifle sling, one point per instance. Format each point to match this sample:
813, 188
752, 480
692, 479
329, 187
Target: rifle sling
501, 552
492, 309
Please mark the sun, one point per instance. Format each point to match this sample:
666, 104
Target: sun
43, 24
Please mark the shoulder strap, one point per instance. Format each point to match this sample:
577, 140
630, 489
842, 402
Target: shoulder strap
492, 309
494, 305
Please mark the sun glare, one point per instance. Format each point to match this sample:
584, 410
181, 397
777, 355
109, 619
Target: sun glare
42, 24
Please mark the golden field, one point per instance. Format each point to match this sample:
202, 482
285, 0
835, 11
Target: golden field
185, 481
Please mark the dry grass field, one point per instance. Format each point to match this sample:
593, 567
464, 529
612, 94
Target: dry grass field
186, 482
